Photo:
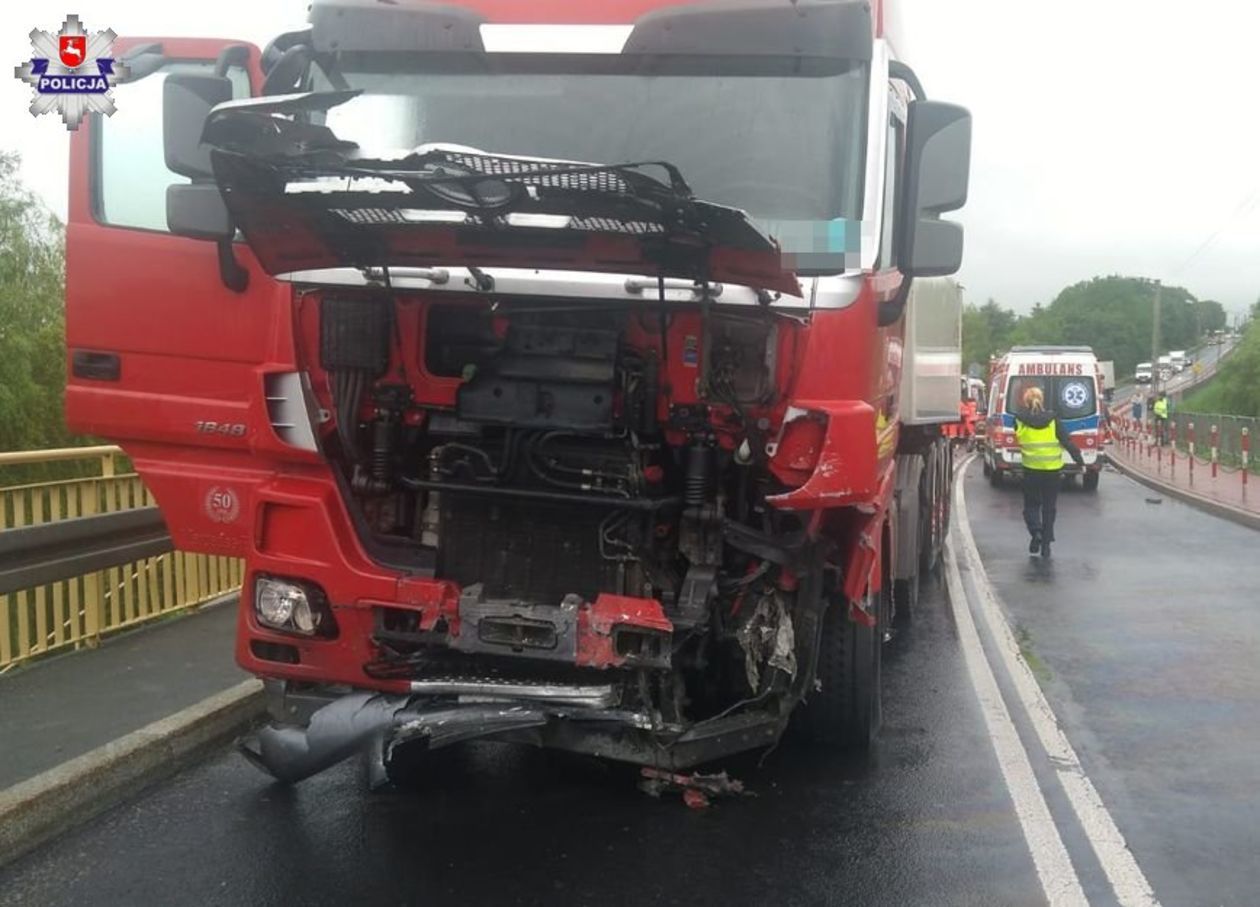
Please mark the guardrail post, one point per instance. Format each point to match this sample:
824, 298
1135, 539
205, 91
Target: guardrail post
1246, 455
107, 466
1215, 449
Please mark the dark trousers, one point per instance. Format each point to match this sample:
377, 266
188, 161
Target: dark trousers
1041, 494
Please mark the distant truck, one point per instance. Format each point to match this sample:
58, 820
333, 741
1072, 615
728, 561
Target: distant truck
1108, 370
1070, 378
1144, 373
1179, 360
971, 411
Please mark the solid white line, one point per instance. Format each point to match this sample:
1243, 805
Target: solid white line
1050, 857
1126, 877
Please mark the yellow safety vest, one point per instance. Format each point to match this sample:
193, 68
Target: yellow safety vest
1039, 447
1161, 409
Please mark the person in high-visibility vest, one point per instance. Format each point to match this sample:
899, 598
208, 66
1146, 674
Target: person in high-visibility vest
1042, 441
1160, 410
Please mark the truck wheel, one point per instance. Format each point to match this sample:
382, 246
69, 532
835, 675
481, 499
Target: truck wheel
844, 712
905, 599
1089, 481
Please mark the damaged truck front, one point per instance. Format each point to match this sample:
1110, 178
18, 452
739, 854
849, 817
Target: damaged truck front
560, 381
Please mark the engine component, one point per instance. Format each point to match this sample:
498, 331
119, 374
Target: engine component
354, 335
523, 549
382, 448
536, 404
739, 359
549, 375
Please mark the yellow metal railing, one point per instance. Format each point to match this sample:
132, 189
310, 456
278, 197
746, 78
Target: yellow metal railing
79, 611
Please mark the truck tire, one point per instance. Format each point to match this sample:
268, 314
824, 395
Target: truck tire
843, 713
906, 599
1089, 481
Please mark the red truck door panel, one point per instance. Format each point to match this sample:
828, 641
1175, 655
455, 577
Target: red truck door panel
162, 357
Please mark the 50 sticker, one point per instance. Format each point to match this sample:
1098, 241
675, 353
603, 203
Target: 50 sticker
222, 505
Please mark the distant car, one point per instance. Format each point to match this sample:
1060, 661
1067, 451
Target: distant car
1143, 374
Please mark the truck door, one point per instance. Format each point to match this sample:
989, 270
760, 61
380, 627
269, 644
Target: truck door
163, 358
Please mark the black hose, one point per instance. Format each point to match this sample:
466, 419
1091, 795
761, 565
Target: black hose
699, 475
651, 390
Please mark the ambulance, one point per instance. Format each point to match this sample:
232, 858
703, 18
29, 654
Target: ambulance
1071, 380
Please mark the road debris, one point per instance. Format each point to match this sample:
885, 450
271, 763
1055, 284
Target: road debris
697, 789
1154, 500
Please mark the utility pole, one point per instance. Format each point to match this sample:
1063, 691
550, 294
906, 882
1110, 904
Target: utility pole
1159, 289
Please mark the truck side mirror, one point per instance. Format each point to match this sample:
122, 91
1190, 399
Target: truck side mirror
187, 99
197, 209
938, 163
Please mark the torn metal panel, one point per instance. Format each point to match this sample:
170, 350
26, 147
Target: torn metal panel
768, 639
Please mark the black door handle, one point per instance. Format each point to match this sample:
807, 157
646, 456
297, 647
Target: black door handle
95, 366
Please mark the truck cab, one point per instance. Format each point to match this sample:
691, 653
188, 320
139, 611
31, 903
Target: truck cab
566, 373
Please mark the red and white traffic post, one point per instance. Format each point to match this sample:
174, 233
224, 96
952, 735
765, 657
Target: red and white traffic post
1190, 447
1246, 454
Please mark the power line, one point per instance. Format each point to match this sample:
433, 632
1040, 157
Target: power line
1243, 207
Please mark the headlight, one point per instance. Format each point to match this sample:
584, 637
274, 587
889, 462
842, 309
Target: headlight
293, 607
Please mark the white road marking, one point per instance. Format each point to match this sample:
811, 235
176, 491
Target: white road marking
1126, 877
1054, 868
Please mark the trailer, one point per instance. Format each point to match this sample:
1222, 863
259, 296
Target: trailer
565, 373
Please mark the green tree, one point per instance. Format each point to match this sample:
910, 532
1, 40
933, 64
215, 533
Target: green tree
987, 330
1114, 315
32, 320
1236, 389
1210, 316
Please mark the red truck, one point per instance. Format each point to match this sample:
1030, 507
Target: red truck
566, 373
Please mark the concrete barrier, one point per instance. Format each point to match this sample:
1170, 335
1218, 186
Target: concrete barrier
34, 811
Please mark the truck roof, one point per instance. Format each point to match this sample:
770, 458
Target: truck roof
1053, 349
567, 12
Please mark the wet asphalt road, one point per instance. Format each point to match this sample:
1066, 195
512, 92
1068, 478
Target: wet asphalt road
928, 821
1143, 631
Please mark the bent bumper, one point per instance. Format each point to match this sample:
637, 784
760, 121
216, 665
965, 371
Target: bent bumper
313, 729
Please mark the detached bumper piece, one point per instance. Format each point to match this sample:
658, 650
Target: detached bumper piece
440, 711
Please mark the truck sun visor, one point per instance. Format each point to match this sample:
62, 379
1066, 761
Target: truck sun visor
833, 29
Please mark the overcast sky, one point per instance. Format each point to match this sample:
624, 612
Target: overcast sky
1111, 136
